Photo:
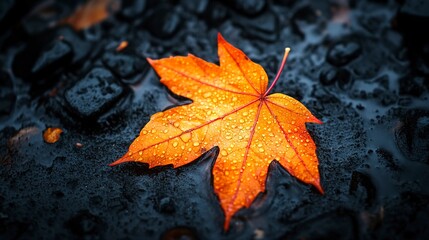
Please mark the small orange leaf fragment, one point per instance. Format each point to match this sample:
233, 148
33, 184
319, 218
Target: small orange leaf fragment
231, 109
121, 46
52, 135
90, 13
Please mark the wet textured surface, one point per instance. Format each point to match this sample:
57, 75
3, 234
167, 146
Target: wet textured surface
358, 66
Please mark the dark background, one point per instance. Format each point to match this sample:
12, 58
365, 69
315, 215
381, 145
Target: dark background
360, 66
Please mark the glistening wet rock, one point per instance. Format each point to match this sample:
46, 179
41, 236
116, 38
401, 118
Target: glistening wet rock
163, 22
263, 27
7, 95
412, 135
248, 7
80, 48
198, 6
131, 9
57, 53
86, 225
216, 13
125, 66
302, 17
412, 85
342, 77
166, 205
94, 94
343, 52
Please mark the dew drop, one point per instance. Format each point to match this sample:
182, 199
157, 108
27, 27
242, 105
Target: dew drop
176, 124
175, 144
224, 153
261, 150
245, 113
196, 144
141, 153
234, 99
185, 137
144, 132
241, 121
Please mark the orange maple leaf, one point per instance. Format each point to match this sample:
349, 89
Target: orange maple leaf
231, 109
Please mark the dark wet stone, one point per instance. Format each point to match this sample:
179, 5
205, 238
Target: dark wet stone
302, 17
94, 94
125, 66
41, 18
84, 224
5, 6
412, 135
132, 8
263, 27
411, 85
49, 53
249, 7
80, 47
384, 97
362, 180
58, 53
163, 22
342, 77
417, 8
180, 233
342, 53
7, 95
387, 159
339, 224
328, 76
372, 23
216, 13
196, 6
414, 13
166, 205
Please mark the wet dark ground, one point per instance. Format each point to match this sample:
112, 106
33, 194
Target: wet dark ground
361, 67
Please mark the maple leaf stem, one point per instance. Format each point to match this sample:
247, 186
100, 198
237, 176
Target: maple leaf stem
282, 66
